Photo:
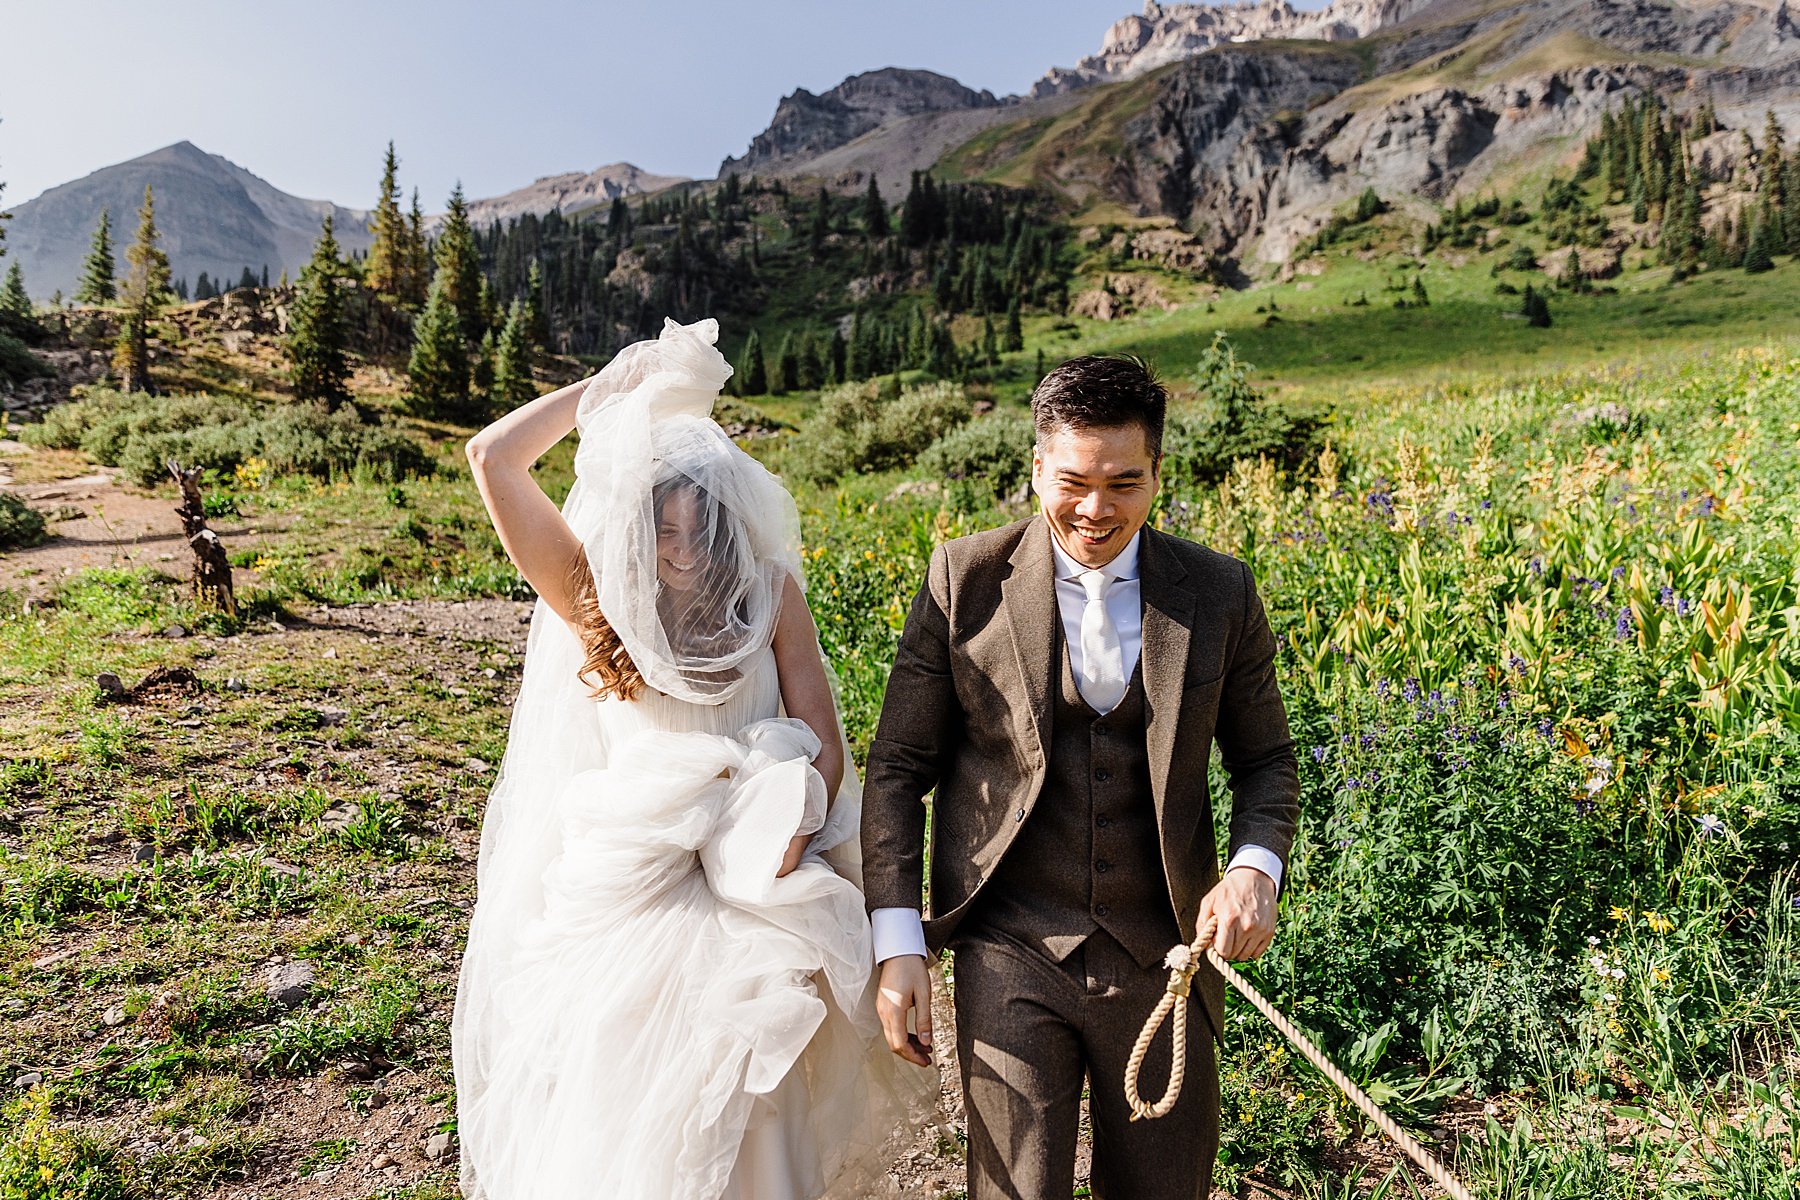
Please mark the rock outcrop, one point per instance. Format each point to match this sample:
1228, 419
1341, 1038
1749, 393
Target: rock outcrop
806, 125
1166, 33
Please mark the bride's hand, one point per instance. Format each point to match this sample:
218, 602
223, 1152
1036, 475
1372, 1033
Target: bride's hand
796, 848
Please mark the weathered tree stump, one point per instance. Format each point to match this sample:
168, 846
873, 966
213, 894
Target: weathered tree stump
212, 567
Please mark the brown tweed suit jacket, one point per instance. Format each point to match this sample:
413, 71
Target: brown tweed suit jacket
967, 715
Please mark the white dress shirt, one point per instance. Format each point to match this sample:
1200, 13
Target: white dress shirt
900, 931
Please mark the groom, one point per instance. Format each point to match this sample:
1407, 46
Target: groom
1058, 687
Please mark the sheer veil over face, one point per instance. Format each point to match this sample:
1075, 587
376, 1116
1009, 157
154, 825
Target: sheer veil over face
688, 537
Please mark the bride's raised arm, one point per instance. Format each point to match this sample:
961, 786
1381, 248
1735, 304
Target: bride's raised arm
531, 528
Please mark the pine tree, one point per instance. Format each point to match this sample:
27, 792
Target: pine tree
1535, 308
439, 365
181, 291
481, 367
97, 283
418, 255
1759, 254
146, 290
537, 326
459, 266
203, 287
1014, 340
14, 301
874, 214
131, 350
316, 336
784, 375
247, 278
386, 267
1419, 297
512, 360
752, 373
821, 223
147, 284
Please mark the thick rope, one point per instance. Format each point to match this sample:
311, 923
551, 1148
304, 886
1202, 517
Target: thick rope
1182, 962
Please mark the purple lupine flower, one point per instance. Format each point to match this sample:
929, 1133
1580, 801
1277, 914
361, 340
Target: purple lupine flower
1409, 691
1537, 567
1666, 597
1682, 607
1368, 739
1622, 626
1381, 686
1486, 504
1618, 572
1707, 504
1436, 698
1517, 664
1502, 701
1546, 729
1319, 753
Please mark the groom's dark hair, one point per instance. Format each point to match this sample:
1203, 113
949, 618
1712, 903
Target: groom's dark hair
1101, 391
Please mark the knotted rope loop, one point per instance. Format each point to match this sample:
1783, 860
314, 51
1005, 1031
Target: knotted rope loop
1182, 962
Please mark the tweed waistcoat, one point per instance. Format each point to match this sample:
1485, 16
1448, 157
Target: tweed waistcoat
1088, 855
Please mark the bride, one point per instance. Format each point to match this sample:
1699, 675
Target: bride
667, 992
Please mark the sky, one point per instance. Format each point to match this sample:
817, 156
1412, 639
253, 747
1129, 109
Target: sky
307, 93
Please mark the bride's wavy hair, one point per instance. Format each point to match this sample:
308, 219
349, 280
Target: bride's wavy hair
604, 656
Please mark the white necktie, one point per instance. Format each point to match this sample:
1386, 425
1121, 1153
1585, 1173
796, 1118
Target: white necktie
1102, 681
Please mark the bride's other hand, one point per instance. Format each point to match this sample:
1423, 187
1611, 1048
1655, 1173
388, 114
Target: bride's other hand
795, 852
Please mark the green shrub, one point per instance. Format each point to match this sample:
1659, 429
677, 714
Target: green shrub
988, 459
865, 427
1234, 421
20, 524
140, 433
18, 363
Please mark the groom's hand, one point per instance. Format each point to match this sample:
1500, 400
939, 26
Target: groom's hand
1244, 903
906, 986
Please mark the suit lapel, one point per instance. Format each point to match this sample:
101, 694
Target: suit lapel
1029, 596
1168, 619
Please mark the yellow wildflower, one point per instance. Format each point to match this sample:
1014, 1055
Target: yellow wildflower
1658, 923
1620, 914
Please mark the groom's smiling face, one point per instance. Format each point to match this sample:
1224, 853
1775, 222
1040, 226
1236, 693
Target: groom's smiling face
1096, 486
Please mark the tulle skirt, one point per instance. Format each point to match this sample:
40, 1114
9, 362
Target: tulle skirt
678, 1023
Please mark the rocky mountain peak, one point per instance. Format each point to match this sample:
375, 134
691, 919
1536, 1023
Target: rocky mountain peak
1166, 33
806, 125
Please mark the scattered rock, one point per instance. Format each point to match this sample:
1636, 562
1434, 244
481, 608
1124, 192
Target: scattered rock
356, 1071
378, 1099
291, 984
329, 717
234, 684
111, 687
113, 1017
143, 852
438, 1148
111, 837
341, 816
331, 653
29, 1079
385, 1161
51, 960
477, 765
280, 868
175, 631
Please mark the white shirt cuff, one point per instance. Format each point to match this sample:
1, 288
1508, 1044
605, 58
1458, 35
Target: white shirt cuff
1264, 860
897, 931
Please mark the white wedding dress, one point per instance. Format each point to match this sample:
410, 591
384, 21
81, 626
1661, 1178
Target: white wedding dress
679, 1023
644, 1011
